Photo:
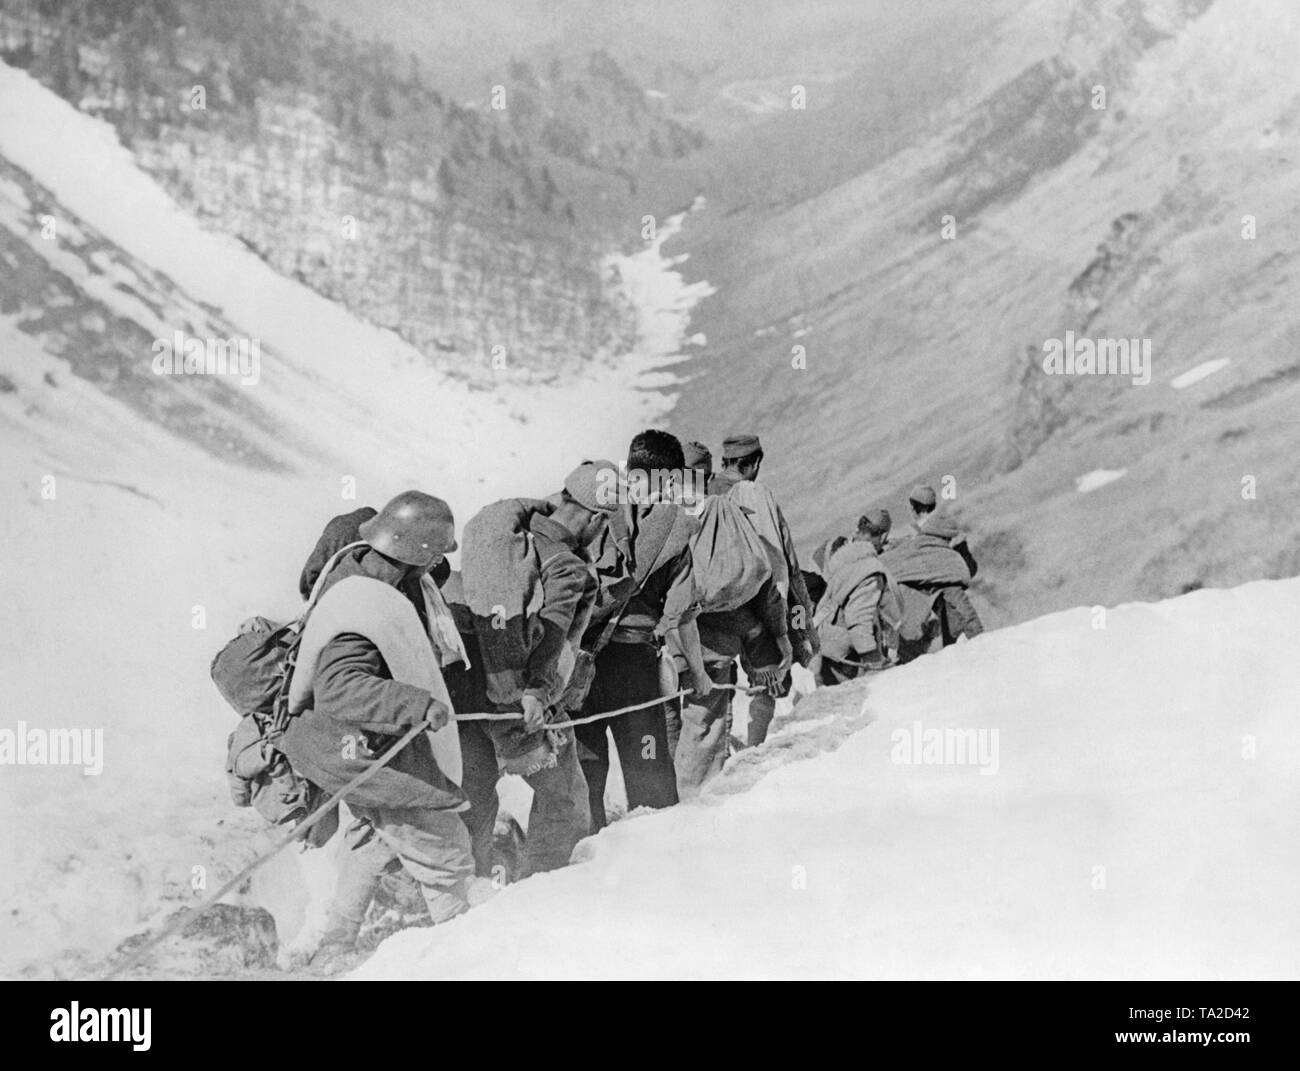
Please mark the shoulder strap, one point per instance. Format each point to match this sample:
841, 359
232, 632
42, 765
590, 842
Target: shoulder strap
620, 530
632, 588
318, 588
611, 623
280, 713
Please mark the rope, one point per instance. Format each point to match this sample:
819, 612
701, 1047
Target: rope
191, 913
508, 716
859, 665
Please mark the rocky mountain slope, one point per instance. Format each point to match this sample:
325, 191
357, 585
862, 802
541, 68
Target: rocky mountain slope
475, 232
1114, 169
887, 263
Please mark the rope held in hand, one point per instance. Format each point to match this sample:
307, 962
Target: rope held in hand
509, 716
190, 914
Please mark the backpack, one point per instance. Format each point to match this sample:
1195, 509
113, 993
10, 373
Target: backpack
919, 616
730, 560
501, 584
252, 673
888, 623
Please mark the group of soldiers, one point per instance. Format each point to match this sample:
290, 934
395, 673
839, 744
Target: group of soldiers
585, 607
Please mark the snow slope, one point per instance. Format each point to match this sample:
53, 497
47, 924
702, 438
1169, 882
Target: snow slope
1140, 822
121, 584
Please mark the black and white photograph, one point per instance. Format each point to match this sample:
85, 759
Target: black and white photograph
676, 490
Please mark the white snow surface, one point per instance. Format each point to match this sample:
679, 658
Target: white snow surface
1090, 481
1200, 372
1140, 824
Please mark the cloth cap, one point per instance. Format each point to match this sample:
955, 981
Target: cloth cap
594, 486
875, 522
697, 455
922, 494
943, 527
737, 446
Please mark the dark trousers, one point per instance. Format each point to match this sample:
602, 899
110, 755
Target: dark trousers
931, 641
558, 818
627, 673
829, 673
705, 732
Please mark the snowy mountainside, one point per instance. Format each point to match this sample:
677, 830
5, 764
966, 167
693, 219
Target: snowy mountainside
1053, 800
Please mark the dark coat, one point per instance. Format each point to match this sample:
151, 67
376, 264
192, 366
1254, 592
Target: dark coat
960, 617
855, 580
646, 573
940, 524
355, 696
929, 562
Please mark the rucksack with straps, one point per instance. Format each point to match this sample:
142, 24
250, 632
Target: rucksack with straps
252, 673
919, 616
730, 560
501, 583
889, 621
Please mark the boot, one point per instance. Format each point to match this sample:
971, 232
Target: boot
334, 956
762, 709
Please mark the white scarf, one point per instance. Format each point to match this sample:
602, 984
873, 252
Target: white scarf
442, 626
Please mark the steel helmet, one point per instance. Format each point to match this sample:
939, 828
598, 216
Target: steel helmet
414, 529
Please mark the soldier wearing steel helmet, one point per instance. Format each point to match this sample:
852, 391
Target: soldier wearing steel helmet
410, 808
